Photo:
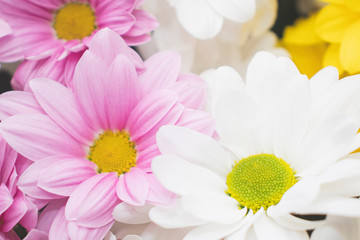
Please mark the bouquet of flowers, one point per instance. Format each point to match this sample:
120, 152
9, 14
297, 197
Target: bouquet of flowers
180, 119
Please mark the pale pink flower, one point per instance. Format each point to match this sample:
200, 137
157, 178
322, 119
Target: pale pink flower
95, 143
53, 30
15, 207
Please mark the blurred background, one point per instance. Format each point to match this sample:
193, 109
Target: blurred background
288, 11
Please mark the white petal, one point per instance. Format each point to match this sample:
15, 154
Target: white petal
218, 208
237, 123
127, 213
173, 218
211, 232
266, 229
220, 81
326, 144
343, 177
322, 80
333, 205
198, 18
300, 195
194, 147
295, 223
235, 10
183, 177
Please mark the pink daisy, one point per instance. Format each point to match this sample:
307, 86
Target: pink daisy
95, 143
15, 207
33, 29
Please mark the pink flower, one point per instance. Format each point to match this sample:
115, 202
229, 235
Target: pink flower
53, 30
95, 143
15, 207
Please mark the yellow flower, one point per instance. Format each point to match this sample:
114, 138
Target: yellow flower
339, 24
306, 48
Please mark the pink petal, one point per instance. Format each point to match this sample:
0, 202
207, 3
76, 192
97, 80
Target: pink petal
29, 220
162, 70
28, 181
140, 31
62, 177
89, 78
71, 62
74, 46
191, 90
146, 156
49, 4
133, 187
43, 49
104, 6
14, 213
5, 28
22, 163
93, 201
5, 198
60, 104
119, 22
149, 138
15, 102
197, 120
9, 235
107, 44
59, 225
78, 232
152, 109
7, 161
36, 136
49, 213
158, 194
36, 234
121, 87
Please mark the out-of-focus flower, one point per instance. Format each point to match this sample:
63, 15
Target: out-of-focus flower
204, 18
234, 45
339, 24
282, 150
95, 143
54, 30
308, 50
338, 228
15, 207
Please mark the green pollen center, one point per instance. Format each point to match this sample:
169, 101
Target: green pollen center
260, 181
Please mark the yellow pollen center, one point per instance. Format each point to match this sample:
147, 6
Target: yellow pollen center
74, 21
113, 152
259, 181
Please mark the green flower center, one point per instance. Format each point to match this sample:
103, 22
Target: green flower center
260, 181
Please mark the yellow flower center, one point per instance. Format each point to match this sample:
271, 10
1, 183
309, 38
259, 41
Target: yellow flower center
113, 152
259, 181
74, 21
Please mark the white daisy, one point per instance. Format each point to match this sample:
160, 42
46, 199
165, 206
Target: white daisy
286, 144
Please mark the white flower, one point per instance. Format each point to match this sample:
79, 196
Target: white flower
234, 45
285, 151
133, 223
204, 18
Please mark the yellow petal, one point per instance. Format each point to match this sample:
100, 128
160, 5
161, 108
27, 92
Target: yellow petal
333, 21
334, 1
350, 49
332, 58
307, 58
353, 4
303, 32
